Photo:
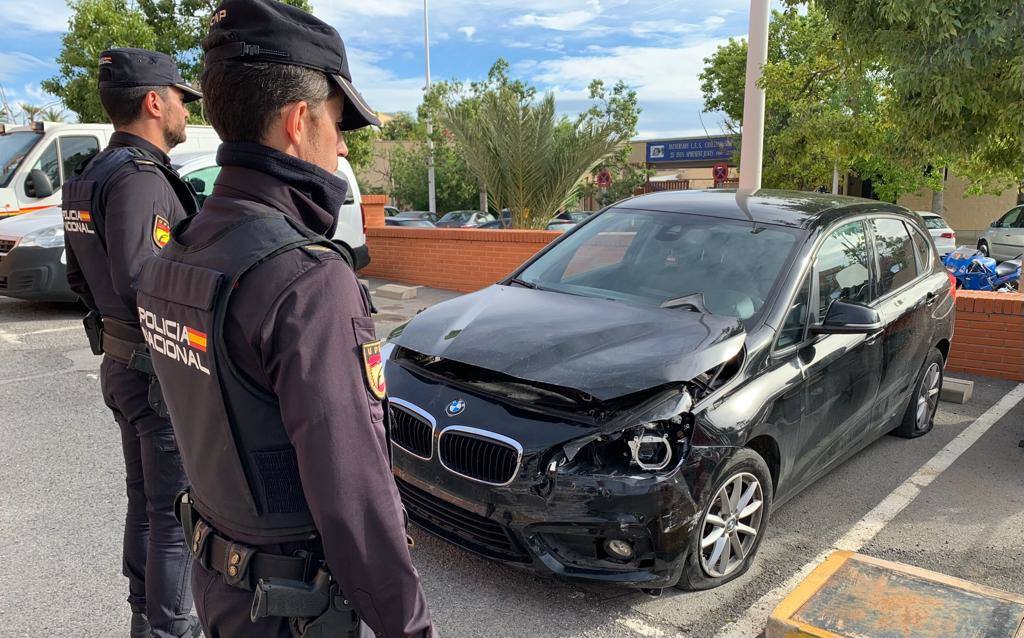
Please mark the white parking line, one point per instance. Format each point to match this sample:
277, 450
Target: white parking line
50, 330
10, 338
753, 621
33, 377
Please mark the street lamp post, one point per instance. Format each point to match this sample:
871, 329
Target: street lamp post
431, 186
751, 152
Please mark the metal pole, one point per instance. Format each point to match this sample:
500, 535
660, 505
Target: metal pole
753, 99
431, 186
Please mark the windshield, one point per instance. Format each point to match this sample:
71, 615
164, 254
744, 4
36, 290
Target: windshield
13, 148
456, 217
649, 258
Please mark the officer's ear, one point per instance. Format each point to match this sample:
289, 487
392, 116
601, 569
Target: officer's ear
153, 105
295, 118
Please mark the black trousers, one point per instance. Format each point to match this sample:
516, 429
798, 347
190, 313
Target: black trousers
155, 560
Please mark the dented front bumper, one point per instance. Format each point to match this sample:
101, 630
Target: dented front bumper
563, 527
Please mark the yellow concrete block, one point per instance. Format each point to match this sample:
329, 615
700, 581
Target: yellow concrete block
856, 596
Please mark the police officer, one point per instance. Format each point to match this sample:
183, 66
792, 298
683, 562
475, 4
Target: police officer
117, 213
262, 338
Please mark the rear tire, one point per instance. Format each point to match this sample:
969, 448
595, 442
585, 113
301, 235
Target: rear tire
725, 530
919, 417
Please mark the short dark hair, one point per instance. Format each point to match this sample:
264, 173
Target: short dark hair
124, 104
241, 99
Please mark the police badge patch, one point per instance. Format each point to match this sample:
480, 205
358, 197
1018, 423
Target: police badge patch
161, 231
373, 366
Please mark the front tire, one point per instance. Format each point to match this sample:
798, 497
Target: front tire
924, 402
734, 521
983, 247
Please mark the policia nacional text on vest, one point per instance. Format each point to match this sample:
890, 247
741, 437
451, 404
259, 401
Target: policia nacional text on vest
245, 477
83, 213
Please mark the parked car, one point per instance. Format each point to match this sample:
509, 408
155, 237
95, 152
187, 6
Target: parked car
497, 224
408, 223
33, 264
561, 226
632, 403
391, 211
464, 219
418, 214
943, 236
574, 216
201, 171
36, 160
1004, 239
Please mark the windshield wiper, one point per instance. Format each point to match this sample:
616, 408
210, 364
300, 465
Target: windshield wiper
693, 301
523, 283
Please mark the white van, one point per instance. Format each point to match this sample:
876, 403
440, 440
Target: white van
35, 160
201, 170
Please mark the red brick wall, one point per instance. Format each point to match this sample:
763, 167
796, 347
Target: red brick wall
373, 210
450, 258
989, 335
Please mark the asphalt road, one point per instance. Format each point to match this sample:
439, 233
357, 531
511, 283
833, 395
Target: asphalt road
62, 507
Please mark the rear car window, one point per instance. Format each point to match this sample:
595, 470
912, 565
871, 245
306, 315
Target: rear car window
934, 222
897, 262
843, 267
925, 254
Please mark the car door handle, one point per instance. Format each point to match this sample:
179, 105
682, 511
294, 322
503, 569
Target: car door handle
873, 337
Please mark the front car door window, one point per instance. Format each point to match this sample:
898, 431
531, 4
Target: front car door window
843, 268
897, 263
794, 327
202, 182
48, 163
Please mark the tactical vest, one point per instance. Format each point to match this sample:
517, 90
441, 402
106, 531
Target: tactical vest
84, 219
236, 452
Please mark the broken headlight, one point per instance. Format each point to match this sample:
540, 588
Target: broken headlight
656, 443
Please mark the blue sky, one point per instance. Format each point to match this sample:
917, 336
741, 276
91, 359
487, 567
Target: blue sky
656, 46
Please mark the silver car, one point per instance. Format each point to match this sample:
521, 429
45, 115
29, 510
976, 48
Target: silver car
1004, 239
943, 236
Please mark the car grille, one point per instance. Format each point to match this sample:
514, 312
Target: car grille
476, 456
6, 246
411, 432
458, 526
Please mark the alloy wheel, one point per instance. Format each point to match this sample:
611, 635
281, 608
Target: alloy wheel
928, 398
731, 524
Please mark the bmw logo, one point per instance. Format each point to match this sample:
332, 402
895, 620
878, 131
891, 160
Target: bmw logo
455, 408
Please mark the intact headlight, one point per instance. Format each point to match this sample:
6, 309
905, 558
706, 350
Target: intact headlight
51, 237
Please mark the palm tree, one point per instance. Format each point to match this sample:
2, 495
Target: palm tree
53, 114
530, 161
30, 111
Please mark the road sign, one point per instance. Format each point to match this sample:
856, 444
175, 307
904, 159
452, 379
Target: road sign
720, 172
604, 178
702, 149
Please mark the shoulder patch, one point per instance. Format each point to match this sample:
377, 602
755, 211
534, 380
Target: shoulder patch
161, 231
320, 253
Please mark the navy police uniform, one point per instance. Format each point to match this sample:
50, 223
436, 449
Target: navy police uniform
117, 214
263, 341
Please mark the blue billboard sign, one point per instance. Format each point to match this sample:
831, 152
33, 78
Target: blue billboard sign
694, 149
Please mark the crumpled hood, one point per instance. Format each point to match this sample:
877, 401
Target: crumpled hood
605, 348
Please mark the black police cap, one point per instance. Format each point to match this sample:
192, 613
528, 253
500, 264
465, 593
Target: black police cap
269, 31
121, 68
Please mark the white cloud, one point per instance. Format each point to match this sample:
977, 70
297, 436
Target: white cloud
39, 16
469, 31
384, 90
568, 21
14, 64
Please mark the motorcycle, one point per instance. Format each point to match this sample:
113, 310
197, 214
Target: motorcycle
974, 271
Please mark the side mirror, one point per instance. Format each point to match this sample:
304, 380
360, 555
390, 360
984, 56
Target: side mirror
848, 318
198, 185
37, 184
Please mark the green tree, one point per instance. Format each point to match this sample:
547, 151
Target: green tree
618, 107
175, 27
456, 185
955, 72
822, 113
360, 146
530, 160
403, 127
30, 111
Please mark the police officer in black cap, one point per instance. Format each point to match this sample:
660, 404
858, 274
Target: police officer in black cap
262, 338
118, 212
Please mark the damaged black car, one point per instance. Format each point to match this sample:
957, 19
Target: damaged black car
631, 404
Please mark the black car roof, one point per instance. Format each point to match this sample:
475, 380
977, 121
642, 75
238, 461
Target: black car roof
797, 209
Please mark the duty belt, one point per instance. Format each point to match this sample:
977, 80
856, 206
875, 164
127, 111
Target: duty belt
243, 566
124, 343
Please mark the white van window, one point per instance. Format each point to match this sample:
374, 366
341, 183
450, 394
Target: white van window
76, 151
13, 148
49, 163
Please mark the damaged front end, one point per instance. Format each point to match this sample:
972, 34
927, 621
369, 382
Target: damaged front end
602, 489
